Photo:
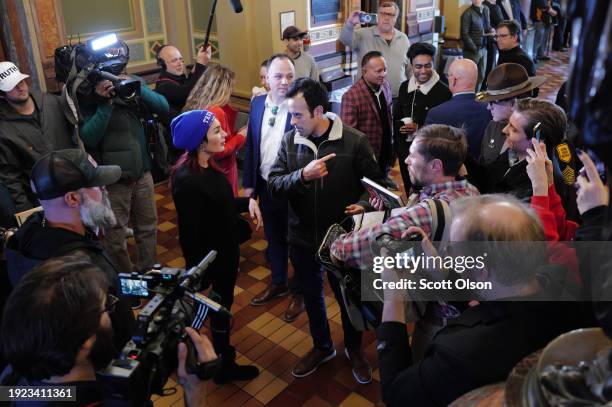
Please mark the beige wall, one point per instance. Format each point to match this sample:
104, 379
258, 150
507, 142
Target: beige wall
248, 38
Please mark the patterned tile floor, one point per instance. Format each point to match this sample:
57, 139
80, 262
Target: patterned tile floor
263, 338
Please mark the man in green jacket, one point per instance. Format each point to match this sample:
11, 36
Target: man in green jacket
113, 133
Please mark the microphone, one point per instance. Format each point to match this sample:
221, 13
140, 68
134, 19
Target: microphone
236, 5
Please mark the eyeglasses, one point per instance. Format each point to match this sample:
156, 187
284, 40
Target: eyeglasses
389, 15
111, 303
496, 36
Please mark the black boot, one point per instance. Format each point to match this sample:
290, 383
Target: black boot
230, 371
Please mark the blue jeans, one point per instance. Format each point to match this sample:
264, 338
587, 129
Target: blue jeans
310, 277
539, 39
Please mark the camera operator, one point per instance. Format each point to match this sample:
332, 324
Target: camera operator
31, 124
57, 331
70, 188
113, 133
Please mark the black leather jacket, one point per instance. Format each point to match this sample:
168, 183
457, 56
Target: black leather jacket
316, 205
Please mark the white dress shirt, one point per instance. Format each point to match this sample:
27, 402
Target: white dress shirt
271, 136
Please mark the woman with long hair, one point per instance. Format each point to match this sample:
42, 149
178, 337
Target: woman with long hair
212, 92
206, 210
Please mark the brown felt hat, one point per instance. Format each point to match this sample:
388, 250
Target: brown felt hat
507, 81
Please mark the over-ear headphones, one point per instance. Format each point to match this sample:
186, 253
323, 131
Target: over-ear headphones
160, 60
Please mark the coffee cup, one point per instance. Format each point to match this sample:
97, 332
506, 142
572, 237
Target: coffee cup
407, 120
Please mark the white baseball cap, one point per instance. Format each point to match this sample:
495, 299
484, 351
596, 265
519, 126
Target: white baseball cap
10, 76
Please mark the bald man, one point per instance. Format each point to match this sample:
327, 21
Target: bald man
463, 111
174, 81
465, 354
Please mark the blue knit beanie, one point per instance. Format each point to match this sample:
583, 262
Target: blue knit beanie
189, 129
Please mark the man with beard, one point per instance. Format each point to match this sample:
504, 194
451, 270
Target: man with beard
31, 124
70, 187
436, 155
57, 331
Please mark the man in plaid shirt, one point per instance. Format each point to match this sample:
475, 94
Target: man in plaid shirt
436, 155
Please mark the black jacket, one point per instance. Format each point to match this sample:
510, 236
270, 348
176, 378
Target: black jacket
415, 104
516, 55
316, 205
207, 216
495, 13
34, 242
176, 89
24, 139
474, 23
479, 347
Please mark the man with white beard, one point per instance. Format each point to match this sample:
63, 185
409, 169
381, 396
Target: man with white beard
71, 189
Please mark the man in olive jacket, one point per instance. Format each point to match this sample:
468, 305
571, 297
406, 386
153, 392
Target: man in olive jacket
113, 134
31, 125
319, 167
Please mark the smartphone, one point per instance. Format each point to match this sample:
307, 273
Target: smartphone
536, 131
601, 167
134, 287
368, 18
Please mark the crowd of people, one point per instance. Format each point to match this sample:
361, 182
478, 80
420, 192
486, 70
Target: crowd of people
476, 143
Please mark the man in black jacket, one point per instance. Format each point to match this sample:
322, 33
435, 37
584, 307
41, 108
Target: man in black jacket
319, 168
70, 188
510, 50
496, 17
31, 124
484, 343
475, 23
423, 91
175, 83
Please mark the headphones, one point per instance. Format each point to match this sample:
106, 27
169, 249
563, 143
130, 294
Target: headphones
160, 60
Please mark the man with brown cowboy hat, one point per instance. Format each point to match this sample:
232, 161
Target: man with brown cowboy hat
506, 83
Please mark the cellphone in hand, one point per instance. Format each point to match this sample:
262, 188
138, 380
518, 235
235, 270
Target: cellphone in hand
368, 18
599, 165
536, 131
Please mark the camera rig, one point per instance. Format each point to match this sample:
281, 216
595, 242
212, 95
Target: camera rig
148, 359
83, 65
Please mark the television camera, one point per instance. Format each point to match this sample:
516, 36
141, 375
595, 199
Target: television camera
148, 359
83, 65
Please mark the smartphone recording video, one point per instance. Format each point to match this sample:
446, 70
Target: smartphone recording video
368, 18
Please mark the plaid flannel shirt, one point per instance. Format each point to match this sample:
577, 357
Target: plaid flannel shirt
354, 248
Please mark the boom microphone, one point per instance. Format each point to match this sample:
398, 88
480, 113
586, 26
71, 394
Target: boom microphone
237, 6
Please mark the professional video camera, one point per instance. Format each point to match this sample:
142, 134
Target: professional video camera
83, 65
148, 359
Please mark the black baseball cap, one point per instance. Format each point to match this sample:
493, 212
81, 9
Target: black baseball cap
293, 32
62, 171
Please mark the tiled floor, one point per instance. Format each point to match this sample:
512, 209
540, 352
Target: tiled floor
263, 338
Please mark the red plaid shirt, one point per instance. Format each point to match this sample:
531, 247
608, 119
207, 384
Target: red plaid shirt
354, 248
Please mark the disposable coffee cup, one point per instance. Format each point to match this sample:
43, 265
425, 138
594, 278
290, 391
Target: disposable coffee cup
407, 120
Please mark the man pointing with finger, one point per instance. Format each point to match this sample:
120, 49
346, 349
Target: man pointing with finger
319, 167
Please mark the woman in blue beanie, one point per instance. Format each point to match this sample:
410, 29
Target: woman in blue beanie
207, 219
